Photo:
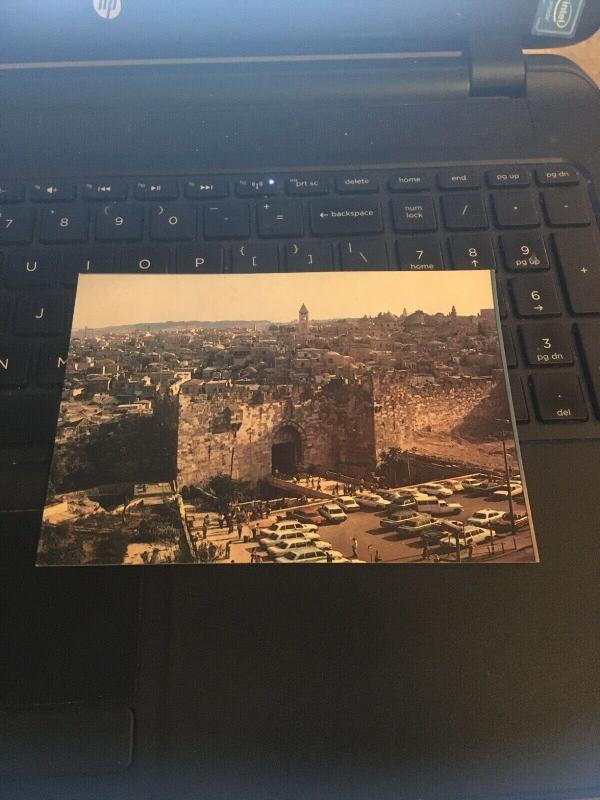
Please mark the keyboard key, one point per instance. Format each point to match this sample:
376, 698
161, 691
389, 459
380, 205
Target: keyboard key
558, 397
518, 398
279, 218
472, 251
35, 268
409, 181
307, 184
14, 363
308, 256
16, 224
65, 224
524, 252
119, 222
579, 257
227, 221
145, 259
508, 176
157, 189
200, 258
464, 212
588, 334
4, 311
40, 315
515, 210
363, 254
458, 179
52, 363
356, 183
12, 192
173, 222
414, 213
353, 215
419, 253
509, 347
84, 260
261, 257
566, 207
257, 187
557, 176
535, 296
51, 192
199, 188
546, 343
105, 190
28, 418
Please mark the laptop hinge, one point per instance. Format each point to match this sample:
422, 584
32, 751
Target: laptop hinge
497, 66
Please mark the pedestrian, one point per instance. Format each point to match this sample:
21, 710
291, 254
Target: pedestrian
318, 484
221, 519
206, 520
255, 531
377, 557
336, 489
227, 549
425, 553
354, 547
329, 557
470, 550
240, 528
212, 551
230, 527
204, 529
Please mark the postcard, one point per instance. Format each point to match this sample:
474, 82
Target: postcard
328, 419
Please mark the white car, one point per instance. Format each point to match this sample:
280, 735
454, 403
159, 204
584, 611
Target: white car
333, 557
347, 503
391, 495
279, 531
280, 548
502, 494
485, 517
332, 512
454, 484
470, 483
371, 500
435, 489
471, 534
322, 544
303, 555
445, 509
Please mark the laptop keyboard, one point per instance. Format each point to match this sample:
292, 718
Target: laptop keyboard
534, 224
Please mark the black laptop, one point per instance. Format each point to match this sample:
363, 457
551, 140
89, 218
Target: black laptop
303, 138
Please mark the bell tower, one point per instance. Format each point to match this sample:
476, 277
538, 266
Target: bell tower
303, 320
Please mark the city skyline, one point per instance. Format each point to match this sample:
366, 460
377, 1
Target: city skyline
215, 298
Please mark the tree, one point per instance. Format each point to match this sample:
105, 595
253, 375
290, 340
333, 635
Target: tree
222, 491
393, 465
60, 545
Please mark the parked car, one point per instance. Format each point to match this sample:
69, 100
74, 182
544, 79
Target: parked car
390, 494
416, 527
444, 509
405, 502
303, 555
475, 480
435, 490
454, 484
503, 525
280, 531
279, 548
501, 493
485, 517
332, 512
309, 516
332, 557
391, 522
371, 500
347, 503
472, 534
322, 544
479, 490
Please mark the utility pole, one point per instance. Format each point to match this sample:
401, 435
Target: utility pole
508, 486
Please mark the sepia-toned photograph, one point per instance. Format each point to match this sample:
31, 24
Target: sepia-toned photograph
338, 418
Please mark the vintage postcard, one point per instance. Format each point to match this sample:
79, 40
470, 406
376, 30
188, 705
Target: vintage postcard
334, 418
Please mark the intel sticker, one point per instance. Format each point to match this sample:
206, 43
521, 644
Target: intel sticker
557, 18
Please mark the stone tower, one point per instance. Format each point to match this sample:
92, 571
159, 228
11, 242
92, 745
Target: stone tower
303, 320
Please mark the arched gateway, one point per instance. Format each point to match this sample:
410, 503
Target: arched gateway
286, 451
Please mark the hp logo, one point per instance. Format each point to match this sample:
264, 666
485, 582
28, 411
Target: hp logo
107, 9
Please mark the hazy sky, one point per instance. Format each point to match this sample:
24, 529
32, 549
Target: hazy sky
104, 300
